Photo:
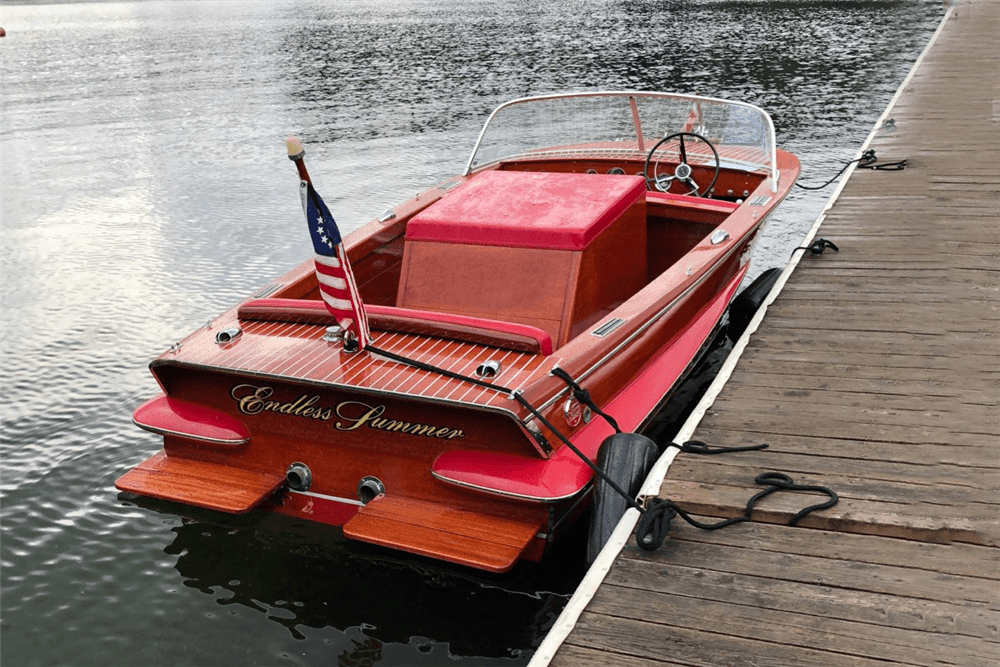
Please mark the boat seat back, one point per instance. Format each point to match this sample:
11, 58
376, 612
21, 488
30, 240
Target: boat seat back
554, 251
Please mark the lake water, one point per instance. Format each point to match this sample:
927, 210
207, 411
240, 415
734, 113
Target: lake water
145, 190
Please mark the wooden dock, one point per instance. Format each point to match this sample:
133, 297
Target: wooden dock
875, 372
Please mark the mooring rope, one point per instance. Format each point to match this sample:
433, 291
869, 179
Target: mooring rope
516, 395
654, 524
655, 520
582, 395
866, 161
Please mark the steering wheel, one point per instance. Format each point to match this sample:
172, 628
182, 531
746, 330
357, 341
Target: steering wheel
683, 171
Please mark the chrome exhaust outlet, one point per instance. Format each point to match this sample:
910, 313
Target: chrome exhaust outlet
370, 488
299, 477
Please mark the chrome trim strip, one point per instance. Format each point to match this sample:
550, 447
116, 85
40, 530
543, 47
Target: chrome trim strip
344, 501
651, 321
607, 327
189, 436
267, 291
503, 494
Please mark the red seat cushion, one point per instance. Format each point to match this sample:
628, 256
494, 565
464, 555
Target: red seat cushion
528, 210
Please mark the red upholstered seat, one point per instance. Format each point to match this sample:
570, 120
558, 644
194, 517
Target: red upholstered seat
528, 210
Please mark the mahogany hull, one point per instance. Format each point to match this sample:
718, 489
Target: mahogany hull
619, 286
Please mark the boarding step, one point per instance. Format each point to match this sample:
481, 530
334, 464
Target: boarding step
483, 541
200, 483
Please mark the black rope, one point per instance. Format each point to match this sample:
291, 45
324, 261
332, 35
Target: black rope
654, 524
435, 369
583, 457
818, 246
582, 395
885, 166
866, 161
866, 158
700, 447
516, 395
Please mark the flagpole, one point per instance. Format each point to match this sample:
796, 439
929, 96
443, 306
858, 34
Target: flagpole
296, 153
337, 286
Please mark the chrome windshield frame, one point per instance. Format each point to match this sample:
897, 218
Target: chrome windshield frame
641, 139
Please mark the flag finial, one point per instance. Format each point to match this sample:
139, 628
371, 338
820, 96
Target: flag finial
295, 149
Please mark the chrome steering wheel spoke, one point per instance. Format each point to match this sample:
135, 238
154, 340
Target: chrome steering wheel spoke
683, 171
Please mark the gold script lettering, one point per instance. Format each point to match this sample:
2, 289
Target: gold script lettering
372, 417
354, 422
351, 415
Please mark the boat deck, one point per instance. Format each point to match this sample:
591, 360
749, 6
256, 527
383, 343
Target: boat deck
876, 372
297, 351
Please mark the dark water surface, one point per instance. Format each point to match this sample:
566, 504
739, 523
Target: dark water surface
145, 190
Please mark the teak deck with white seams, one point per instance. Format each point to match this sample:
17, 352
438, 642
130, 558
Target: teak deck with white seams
876, 372
305, 356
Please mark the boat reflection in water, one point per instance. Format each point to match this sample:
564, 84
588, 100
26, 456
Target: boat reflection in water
355, 601
431, 400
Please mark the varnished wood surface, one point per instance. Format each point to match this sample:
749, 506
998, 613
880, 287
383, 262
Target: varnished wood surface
877, 373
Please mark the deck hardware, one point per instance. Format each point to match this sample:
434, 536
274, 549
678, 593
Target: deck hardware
573, 412
539, 437
746, 193
448, 185
760, 201
176, 347
489, 369
818, 246
334, 334
228, 335
387, 215
718, 236
351, 344
688, 271
370, 488
607, 327
299, 476
267, 291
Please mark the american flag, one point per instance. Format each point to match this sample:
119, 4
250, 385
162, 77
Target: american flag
693, 119
336, 282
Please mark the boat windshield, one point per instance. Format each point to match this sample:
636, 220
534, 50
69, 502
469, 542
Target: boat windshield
625, 124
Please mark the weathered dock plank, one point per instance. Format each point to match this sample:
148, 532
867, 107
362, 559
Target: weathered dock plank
875, 372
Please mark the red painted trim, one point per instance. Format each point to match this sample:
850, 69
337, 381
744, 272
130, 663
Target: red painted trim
170, 416
564, 474
693, 202
543, 339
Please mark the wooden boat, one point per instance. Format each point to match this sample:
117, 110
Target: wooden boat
603, 234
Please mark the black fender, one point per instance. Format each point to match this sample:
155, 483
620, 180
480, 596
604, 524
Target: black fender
746, 304
626, 458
